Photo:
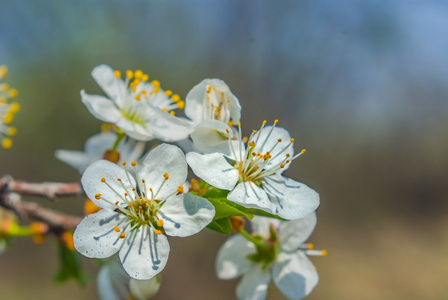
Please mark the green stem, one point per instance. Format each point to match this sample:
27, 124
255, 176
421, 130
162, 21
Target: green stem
251, 238
120, 136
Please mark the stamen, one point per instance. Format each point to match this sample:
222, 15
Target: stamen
117, 229
158, 232
122, 235
160, 223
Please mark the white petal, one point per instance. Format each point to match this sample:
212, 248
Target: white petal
194, 108
113, 87
291, 198
134, 130
210, 136
144, 253
92, 185
112, 280
294, 275
249, 195
99, 143
95, 235
186, 214
261, 225
167, 127
101, 108
76, 159
266, 141
130, 150
164, 159
294, 233
231, 260
214, 169
254, 284
144, 289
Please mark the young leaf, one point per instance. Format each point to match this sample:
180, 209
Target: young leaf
222, 225
70, 266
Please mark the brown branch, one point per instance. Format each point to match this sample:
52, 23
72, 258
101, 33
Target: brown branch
50, 190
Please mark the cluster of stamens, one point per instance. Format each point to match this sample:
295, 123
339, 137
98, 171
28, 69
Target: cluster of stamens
140, 204
217, 107
7, 110
253, 166
139, 90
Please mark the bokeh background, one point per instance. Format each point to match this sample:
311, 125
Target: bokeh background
362, 85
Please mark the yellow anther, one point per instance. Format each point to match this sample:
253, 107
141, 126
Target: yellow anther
3, 71
160, 223
134, 163
13, 93
209, 88
122, 235
118, 179
158, 232
98, 196
228, 101
227, 130
254, 131
245, 139
287, 161
304, 150
103, 179
168, 92
282, 166
15, 107
138, 97
124, 163
172, 112
12, 131
230, 123
125, 194
279, 140
156, 90
291, 140
264, 122
4, 87
145, 77
117, 73
175, 97
3, 100
129, 74
116, 202
134, 189
39, 228
324, 252
150, 189
143, 181
239, 124
288, 155
165, 109
155, 83
117, 229
276, 121
8, 118
310, 246
180, 189
140, 207
131, 204
181, 104
136, 82
7, 143
144, 92
138, 74
166, 176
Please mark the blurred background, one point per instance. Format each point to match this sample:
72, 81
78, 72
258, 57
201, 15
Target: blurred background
363, 86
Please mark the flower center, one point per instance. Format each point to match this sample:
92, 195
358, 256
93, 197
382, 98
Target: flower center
217, 107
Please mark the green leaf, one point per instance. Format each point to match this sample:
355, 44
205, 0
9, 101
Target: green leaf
70, 266
225, 208
259, 212
221, 225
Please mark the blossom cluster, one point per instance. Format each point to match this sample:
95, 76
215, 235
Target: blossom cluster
143, 198
7, 110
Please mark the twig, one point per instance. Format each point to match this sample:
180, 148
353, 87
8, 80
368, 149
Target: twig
50, 190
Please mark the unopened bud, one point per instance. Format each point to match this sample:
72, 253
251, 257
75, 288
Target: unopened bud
112, 156
237, 223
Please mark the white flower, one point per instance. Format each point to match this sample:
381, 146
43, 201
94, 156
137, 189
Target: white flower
211, 105
141, 109
254, 179
282, 258
96, 148
139, 209
7, 110
115, 284
211, 99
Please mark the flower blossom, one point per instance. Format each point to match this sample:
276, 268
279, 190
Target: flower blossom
138, 107
7, 110
139, 209
280, 254
115, 284
211, 105
254, 178
98, 147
